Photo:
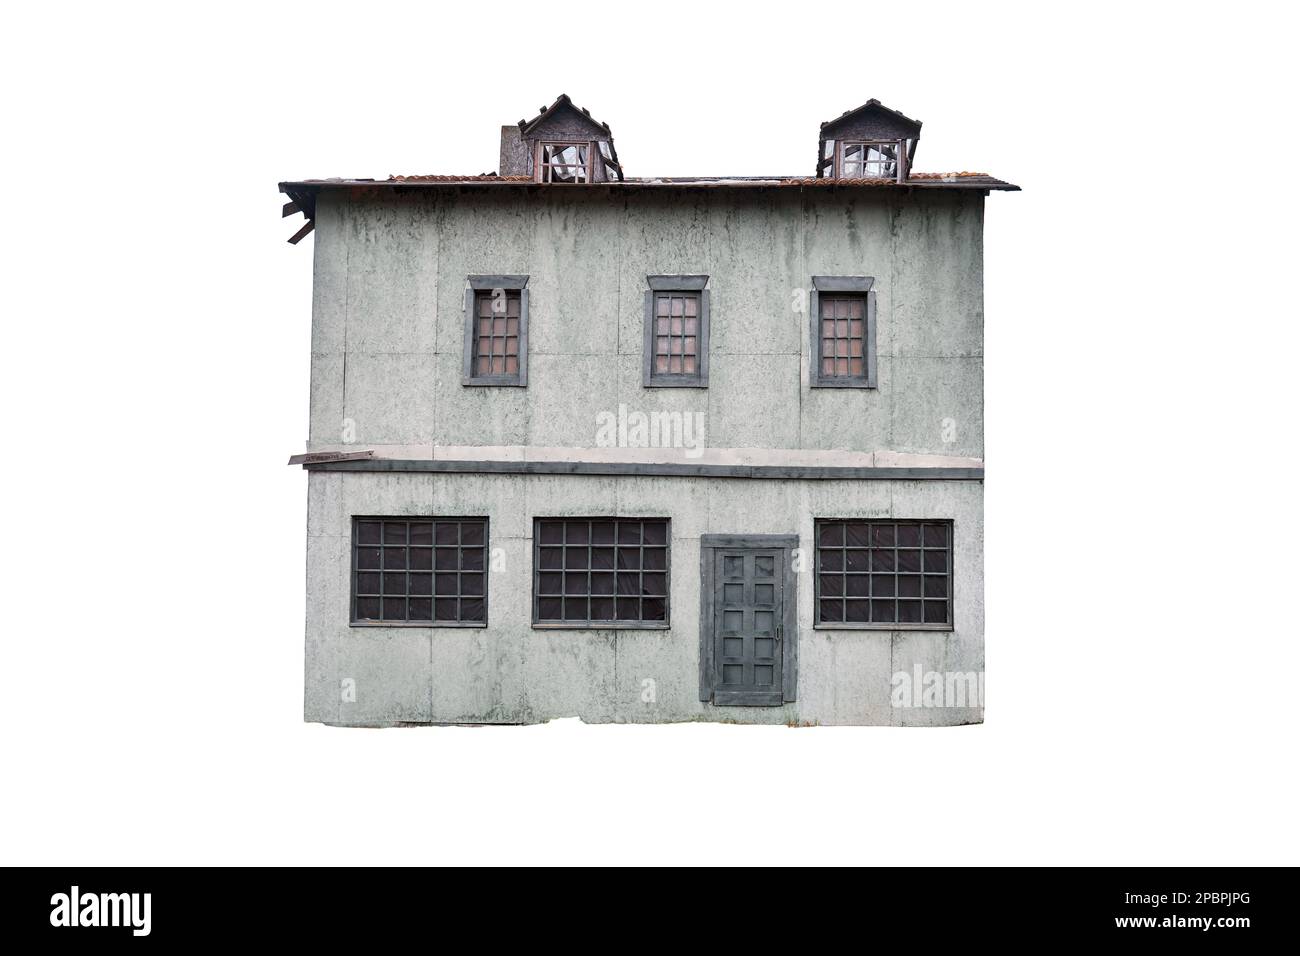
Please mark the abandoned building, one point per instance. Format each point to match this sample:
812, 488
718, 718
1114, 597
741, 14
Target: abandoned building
640, 449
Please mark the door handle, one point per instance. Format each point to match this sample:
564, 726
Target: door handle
778, 633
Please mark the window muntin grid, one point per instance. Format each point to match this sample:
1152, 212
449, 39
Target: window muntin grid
843, 323
496, 332
869, 161
600, 572
884, 574
564, 162
419, 571
676, 333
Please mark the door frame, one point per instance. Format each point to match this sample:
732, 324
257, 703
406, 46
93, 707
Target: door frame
710, 545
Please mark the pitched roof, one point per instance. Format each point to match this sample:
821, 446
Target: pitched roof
526, 126
875, 106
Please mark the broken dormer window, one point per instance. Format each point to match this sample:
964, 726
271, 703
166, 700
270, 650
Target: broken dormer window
563, 162
869, 161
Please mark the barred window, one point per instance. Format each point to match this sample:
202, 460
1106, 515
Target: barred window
884, 574
429, 572
600, 572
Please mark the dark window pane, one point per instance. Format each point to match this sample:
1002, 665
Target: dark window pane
909, 612
857, 585
832, 533
394, 559
603, 558
549, 608
552, 557
909, 585
654, 532
367, 558
421, 559
552, 532
832, 585
936, 536
628, 609
575, 583
856, 611
447, 532
936, 612
550, 583
445, 584
909, 535
882, 560
394, 532
421, 583
446, 559
629, 558
629, 532
367, 532
654, 609
857, 560
602, 532
654, 584
473, 609
394, 609
856, 535
882, 612
832, 560
394, 583
445, 609
602, 584
367, 608
629, 583
883, 585
656, 559
471, 559
882, 535
421, 532
575, 558
421, 609
936, 587
832, 610
472, 533
576, 532
909, 560
602, 609
471, 584
367, 582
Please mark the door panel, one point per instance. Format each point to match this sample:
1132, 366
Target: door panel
748, 603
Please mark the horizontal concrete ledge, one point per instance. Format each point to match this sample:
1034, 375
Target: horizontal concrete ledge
646, 469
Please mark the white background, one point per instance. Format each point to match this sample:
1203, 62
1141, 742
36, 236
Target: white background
1141, 431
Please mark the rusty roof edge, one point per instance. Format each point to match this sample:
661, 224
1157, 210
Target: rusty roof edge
963, 180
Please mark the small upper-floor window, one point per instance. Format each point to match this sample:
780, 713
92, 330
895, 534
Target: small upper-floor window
843, 332
676, 332
869, 161
496, 331
564, 162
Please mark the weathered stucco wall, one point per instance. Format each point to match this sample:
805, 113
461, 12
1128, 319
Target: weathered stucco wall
387, 359
510, 673
391, 273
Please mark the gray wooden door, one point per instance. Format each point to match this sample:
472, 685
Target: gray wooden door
748, 619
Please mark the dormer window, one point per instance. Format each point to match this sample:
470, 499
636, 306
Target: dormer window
869, 161
870, 142
563, 162
562, 144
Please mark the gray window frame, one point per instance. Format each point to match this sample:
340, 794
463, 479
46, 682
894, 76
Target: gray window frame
710, 545
481, 283
601, 625
922, 625
433, 570
856, 285
676, 284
